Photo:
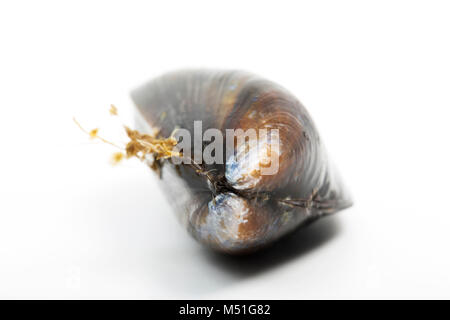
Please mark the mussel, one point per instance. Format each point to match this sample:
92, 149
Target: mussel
230, 205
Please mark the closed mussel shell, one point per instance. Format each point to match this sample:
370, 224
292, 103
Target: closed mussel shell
235, 208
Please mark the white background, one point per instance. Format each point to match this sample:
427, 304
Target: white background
375, 76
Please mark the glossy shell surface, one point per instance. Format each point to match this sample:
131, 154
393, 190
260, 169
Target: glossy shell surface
251, 211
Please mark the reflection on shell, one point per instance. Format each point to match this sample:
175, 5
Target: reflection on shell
235, 209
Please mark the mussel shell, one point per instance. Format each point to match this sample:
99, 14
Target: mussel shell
305, 188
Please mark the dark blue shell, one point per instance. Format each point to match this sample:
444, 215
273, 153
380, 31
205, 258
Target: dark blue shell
222, 212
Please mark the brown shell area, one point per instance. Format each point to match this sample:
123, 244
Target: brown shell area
222, 214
